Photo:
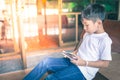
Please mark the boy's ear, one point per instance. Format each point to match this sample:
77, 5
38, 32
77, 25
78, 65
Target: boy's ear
99, 21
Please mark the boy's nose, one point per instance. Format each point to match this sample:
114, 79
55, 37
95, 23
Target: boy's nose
84, 28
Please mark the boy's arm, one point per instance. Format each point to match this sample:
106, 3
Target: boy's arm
97, 64
81, 38
75, 52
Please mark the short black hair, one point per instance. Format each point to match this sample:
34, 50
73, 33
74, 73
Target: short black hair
93, 12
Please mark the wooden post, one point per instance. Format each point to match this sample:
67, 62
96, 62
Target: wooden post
60, 23
21, 36
119, 10
44, 4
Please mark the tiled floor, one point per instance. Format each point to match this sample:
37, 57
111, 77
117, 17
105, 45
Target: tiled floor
14, 62
112, 72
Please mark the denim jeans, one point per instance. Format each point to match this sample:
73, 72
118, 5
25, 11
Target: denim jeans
61, 68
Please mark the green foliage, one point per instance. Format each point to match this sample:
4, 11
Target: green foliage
110, 5
78, 5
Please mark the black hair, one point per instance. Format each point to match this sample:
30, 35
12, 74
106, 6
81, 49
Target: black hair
93, 12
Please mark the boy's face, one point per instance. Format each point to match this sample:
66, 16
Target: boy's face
90, 26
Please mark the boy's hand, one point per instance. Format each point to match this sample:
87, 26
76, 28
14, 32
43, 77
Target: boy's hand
79, 61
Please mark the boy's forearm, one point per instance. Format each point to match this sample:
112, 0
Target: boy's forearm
98, 64
75, 52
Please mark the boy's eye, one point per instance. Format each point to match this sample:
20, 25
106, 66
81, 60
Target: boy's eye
86, 25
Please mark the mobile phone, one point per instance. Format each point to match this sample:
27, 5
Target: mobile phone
69, 55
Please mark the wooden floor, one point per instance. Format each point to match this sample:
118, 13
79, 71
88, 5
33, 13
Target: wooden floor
112, 72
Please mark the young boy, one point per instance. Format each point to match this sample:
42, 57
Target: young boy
93, 53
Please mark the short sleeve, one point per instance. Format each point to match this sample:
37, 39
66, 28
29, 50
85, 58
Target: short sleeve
105, 49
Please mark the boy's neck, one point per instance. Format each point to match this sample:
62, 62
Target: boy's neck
100, 30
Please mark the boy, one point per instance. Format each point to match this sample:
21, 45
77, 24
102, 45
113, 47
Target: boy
93, 53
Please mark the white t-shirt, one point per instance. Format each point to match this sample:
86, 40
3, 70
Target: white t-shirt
94, 47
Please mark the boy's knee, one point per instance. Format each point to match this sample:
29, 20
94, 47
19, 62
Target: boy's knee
46, 61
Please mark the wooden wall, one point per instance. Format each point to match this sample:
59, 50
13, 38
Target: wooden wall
112, 27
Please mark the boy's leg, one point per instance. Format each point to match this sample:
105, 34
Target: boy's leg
48, 64
69, 73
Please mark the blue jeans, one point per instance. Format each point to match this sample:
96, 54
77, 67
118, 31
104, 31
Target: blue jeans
61, 68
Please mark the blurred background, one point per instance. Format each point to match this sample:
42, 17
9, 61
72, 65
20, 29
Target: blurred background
28, 26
